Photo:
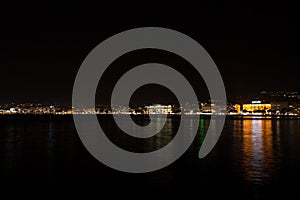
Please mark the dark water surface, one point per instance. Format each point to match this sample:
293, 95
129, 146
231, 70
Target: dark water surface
253, 159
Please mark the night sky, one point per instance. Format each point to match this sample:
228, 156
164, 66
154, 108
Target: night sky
41, 50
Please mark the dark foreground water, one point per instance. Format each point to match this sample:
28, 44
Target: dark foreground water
254, 159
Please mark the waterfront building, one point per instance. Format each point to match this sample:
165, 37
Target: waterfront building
237, 108
256, 106
158, 109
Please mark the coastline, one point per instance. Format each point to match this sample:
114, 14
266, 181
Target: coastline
204, 116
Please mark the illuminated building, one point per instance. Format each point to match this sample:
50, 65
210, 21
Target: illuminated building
159, 109
207, 108
257, 106
237, 108
13, 110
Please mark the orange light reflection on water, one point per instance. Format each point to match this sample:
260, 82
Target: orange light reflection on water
257, 138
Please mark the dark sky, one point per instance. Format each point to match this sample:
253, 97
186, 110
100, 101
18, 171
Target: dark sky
255, 48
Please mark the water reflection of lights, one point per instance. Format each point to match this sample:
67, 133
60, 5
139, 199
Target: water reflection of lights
202, 130
258, 156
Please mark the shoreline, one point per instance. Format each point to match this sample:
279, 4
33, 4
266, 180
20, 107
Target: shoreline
205, 116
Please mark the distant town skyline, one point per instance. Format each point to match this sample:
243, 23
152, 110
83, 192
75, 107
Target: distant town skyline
264, 103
